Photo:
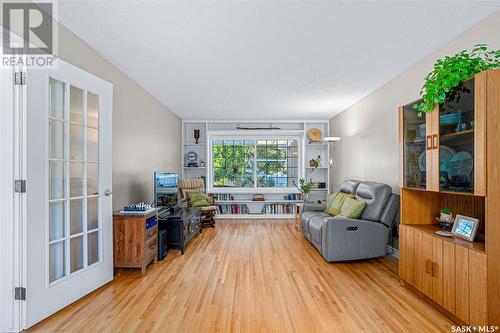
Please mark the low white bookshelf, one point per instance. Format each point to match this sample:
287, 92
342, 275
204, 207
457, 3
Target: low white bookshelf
273, 196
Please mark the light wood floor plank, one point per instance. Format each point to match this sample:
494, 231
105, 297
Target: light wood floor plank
251, 277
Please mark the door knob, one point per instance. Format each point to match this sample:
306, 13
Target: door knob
107, 192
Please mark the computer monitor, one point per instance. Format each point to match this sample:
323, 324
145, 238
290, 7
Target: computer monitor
166, 189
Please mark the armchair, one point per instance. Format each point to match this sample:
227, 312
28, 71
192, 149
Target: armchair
198, 185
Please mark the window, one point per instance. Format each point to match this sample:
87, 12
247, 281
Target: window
254, 163
277, 163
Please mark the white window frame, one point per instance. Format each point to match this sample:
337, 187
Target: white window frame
253, 135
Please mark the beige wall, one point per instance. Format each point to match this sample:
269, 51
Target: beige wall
369, 149
146, 135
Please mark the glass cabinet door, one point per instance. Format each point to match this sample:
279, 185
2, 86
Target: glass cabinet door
414, 148
456, 138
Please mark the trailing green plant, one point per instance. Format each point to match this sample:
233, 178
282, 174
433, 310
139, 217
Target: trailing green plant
446, 211
444, 83
305, 187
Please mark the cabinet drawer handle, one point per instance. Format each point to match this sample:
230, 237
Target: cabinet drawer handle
434, 269
427, 266
435, 141
429, 142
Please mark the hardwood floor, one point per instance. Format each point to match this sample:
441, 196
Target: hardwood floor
251, 277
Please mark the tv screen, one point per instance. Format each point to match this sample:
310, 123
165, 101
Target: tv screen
166, 188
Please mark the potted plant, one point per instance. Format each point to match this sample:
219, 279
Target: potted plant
314, 163
444, 83
305, 188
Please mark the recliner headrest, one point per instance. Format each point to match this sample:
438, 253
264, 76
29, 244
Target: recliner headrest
350, 186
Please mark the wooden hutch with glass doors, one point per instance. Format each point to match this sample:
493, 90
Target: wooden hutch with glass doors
450, 158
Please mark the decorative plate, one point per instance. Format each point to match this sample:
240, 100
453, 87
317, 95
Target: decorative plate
192, 157
445, 153
461, 164
314, 134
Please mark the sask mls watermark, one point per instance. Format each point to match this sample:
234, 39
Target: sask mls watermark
29, 36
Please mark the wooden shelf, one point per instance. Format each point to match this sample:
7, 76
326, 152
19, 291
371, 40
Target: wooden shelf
432, 228
456, 135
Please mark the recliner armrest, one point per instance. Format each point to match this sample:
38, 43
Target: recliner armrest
340, 223
313, 208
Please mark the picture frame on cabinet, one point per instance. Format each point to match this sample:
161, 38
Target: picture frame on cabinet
465, 227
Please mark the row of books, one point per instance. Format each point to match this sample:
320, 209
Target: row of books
279, 208
222, 196
232, 209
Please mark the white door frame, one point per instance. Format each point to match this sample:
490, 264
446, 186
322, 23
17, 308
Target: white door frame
12, 205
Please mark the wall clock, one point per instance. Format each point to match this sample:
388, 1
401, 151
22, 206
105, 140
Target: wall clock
192, 159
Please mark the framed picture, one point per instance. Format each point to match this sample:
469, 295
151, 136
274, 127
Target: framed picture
465, 227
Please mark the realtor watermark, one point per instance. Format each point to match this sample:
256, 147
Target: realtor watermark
474, 329
29, 37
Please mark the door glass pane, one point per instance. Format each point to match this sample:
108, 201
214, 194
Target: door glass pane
56, 180
93, 247
76, 142
92, 211
56, 220
76, 253
92, 144
92, 178
414, 138
56, 130
56, 261
92, 110
76, 179
456, 132
76, 216
56, 96
76, 104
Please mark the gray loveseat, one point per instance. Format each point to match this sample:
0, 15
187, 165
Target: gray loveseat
339, 238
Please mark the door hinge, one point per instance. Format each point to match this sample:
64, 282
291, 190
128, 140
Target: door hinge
20, 186
20, 78
20, 294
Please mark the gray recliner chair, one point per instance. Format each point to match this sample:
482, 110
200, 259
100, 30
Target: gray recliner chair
339, 238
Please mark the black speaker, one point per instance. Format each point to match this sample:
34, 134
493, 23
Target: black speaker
162, 244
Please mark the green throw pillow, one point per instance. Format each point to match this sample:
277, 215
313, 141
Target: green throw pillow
329, 201
352, 208
198, 199
338, 203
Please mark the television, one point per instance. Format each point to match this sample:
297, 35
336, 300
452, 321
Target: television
166, 189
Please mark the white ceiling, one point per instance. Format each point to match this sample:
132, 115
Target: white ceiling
266, 60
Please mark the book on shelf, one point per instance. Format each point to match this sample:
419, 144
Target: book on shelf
280, 208
222, 196
232, 209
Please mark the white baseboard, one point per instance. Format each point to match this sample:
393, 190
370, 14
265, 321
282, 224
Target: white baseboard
392, 251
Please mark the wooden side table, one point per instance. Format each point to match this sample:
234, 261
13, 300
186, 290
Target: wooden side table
135, 242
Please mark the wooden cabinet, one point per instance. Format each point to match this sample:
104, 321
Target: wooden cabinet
445, 149
135, 242
448, 273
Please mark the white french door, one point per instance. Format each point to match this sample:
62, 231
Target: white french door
69, 204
